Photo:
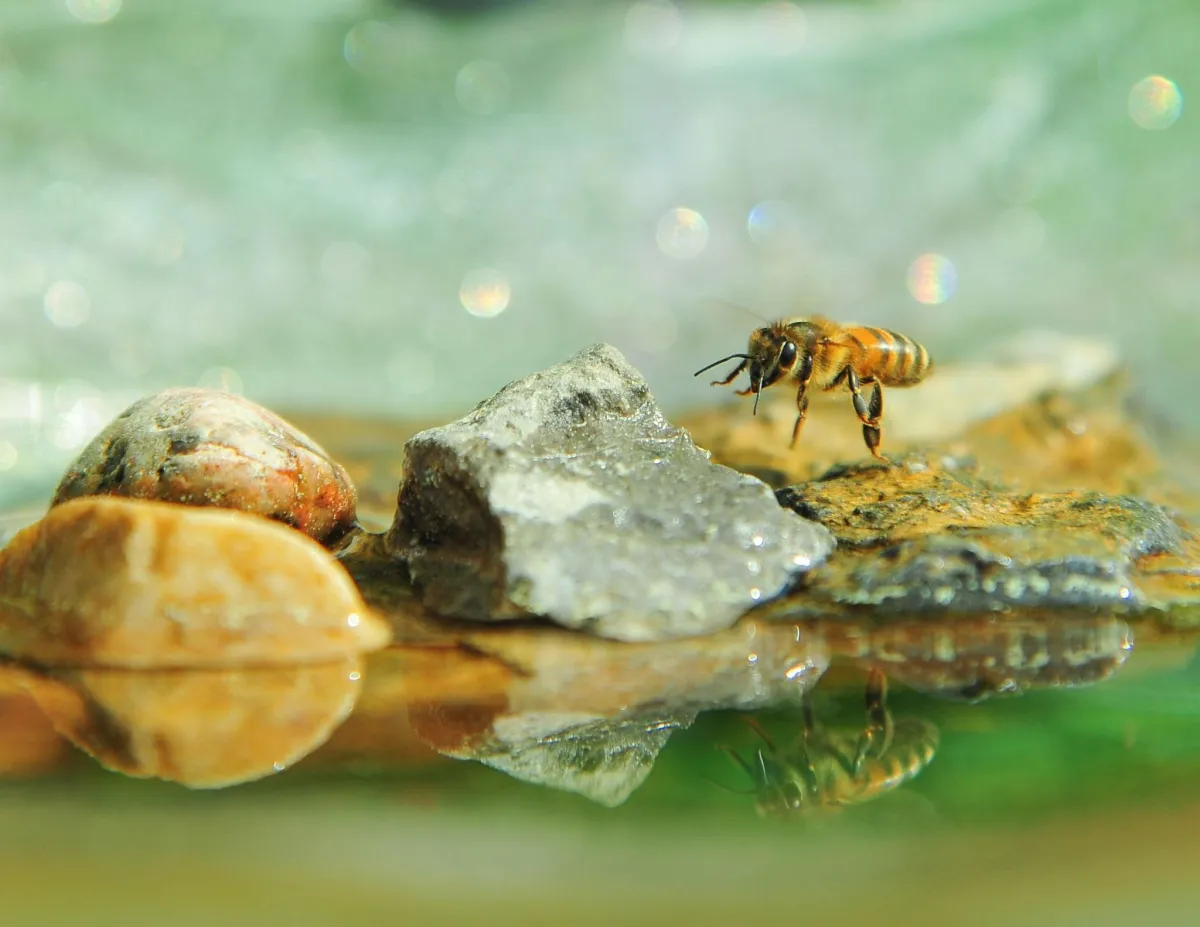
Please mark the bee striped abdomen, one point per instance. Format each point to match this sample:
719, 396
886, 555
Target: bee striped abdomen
914, 749
889, 357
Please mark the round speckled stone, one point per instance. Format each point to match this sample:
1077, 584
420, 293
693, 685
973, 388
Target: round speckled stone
206, 448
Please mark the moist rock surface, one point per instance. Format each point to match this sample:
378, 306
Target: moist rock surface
927, 535
205, 448
126, 583
568, 495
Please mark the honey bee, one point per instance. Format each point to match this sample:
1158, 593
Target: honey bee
827, 769
822, 354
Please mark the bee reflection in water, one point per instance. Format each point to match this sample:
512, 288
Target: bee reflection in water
826, 769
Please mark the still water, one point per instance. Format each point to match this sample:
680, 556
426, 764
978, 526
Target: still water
355, 205
1056, 807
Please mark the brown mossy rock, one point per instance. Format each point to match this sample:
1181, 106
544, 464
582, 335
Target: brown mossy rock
105, 581
204, 448
927, 536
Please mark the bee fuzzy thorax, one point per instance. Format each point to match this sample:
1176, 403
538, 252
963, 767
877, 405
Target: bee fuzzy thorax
818, 354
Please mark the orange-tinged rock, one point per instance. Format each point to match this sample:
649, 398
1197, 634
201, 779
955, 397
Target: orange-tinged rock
116, 582
206, 448
29, 744
200, 728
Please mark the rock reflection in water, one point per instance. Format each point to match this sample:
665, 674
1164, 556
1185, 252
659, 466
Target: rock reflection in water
29, 744
199, 728
569, 711
974, 658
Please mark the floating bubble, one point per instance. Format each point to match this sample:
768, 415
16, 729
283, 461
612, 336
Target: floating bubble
67, 304
652, 27
8, 456
682, 233
1155, 103
222, 379
482, 87
932, 279
484, 292
772, 224
94, 11
370, 46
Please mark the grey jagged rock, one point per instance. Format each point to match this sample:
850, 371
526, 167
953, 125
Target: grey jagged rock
568, 495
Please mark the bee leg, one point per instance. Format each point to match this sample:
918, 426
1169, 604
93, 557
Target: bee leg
729, 379
869, 414
876, 738
811, 738
741, 763
761, 732
801, 414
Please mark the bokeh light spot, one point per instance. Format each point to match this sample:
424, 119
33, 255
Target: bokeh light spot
67, 304
652, 27
932, 279
482, 87
8, 456
1155, 103
772, 223
484, 292
370, 46
78, 414
682, 233
222, 379
94, 12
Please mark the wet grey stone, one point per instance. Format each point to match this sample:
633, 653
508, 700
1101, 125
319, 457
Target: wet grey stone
568, 495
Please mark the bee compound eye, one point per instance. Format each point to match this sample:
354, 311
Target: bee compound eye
787, 356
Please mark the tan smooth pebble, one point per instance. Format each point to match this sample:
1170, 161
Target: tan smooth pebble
115, 582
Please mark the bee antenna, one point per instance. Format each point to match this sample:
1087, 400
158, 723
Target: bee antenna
717, 363
730, 304
762, 765
742, 764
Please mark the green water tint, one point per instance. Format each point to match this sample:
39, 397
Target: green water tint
1133, 739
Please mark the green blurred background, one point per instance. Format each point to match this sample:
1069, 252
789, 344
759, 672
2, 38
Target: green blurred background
395, 209
385, 207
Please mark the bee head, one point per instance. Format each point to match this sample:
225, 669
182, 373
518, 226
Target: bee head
773, 354
783, 789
